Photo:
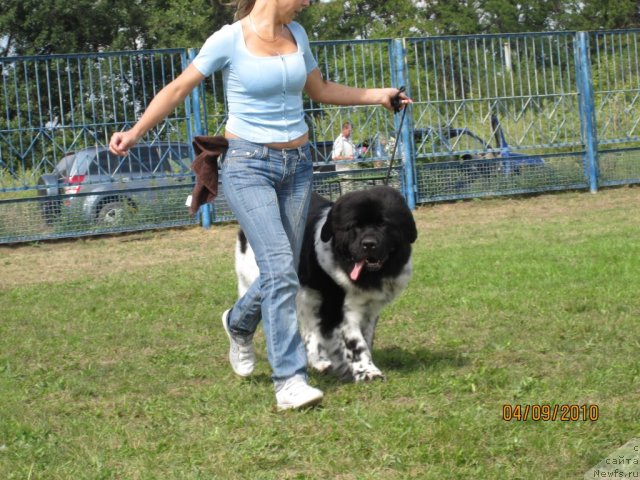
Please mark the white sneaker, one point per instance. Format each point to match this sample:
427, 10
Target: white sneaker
296, 393
242, 354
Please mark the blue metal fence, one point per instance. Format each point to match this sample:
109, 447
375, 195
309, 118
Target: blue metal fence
492, 115
615, 135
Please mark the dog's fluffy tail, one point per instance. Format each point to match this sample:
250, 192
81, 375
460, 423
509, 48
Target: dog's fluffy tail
246, 267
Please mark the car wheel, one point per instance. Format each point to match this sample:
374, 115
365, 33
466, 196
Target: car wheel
113, 213
50, 210
48, 186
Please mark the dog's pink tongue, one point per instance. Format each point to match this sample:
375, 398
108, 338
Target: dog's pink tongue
357, 268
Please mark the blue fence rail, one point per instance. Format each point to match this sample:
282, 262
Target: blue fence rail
492, 115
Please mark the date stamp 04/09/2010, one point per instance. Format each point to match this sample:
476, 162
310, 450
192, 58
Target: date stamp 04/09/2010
623, 462
545, 412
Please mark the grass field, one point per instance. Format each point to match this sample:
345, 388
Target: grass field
113, 364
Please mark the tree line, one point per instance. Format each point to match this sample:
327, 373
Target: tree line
33, 27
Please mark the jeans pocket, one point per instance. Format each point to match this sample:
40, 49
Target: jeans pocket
305, 155
235, 156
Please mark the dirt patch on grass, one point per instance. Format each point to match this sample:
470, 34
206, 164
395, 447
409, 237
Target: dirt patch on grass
539, 208
62, 261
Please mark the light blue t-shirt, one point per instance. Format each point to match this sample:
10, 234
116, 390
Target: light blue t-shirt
264, 94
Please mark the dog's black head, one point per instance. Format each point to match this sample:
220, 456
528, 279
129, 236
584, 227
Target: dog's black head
371, 231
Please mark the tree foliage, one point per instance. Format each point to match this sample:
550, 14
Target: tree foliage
362, 19
63, 26
183, 23
57, 26
596, 14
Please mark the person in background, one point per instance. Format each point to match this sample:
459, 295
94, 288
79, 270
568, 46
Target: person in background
266, 170
344, 151
343, 147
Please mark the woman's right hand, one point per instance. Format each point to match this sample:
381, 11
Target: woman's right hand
121, 142
162, 105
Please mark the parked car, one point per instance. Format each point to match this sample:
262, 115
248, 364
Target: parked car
321, 156
483, 161
103, 186
484, 158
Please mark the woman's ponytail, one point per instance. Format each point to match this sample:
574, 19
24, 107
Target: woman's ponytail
243, 8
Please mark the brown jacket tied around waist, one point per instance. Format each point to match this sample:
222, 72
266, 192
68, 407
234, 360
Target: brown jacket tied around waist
205, 166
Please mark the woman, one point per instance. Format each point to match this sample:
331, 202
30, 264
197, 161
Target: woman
266, 172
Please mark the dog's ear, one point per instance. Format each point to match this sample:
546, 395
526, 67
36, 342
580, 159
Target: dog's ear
401, 217
327, 230
412, 232
409, 226
405, 223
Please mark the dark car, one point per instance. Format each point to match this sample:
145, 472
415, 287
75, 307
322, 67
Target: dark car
441, 148
102, 186
460, 148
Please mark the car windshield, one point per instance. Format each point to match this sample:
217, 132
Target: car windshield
446, 144
156, 160
461, 139
81, 162
64, 166
143, 160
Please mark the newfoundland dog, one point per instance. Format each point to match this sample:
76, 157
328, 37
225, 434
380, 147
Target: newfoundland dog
356, 258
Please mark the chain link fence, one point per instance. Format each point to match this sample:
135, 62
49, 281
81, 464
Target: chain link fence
492, 115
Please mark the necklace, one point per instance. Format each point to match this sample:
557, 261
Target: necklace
255, 30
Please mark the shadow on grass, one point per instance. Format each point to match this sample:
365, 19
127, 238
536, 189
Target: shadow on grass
387, 359
402, 360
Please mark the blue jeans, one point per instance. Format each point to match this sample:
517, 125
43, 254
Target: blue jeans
269, 191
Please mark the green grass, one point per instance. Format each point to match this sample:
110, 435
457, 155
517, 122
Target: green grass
113, 364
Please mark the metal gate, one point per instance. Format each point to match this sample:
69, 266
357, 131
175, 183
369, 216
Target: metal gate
492, 115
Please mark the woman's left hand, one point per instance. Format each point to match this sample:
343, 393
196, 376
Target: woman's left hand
325, 91
387, 97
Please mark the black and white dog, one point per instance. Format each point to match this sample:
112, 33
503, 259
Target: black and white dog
356, 258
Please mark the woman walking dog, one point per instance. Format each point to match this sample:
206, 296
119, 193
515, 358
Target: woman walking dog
266, 63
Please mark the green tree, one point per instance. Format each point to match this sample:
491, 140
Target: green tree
453, 18
505, 16
492, 16
599, 14
60, 26
362, 19
63, 26
183, 23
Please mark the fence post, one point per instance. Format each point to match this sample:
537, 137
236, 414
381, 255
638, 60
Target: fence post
399, 54
587, 108
205, 215
188, 104
194, 124
196, 118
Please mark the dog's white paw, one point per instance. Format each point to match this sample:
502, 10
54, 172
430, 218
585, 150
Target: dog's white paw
321, 366
368, 375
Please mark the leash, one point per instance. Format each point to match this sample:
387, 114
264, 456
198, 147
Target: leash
396, 103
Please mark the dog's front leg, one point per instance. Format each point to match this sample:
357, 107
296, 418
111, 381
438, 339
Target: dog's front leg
308, 304
368, 330
316, 354
357, 349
